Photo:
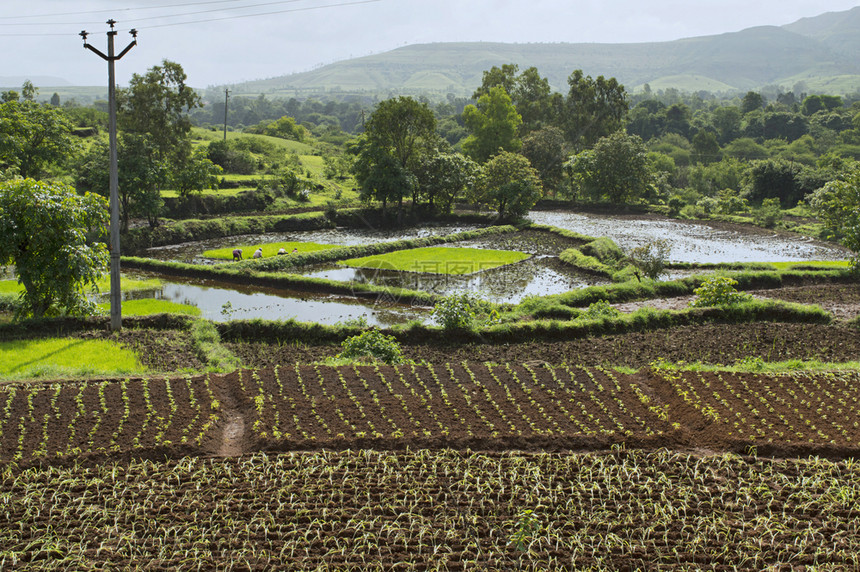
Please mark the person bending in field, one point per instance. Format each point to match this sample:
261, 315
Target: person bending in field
237, 254
258, 253
282, 251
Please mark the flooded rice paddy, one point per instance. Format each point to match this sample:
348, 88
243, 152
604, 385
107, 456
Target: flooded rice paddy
541, 274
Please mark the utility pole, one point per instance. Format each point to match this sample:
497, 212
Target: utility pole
226, 97
115, 287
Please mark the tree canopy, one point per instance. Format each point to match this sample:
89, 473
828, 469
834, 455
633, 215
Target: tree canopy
45, 229
33, 136
494, 124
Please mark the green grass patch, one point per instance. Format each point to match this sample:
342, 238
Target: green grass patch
438, 260
65, 357
149, 306
269, 249
103, 284
812, 263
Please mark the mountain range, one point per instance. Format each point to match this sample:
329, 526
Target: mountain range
814, 55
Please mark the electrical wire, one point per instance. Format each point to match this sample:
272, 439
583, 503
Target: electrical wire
192, 21
115, 10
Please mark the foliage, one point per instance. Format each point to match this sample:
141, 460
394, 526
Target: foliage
445, 176
45, 230
651, 258
600, 310
33, 136
530, 93
837, 205
463, 312
616, 169
493, 123
141, 176
231, 157
719, 291
768, 213
509, 184
373, 344
544, 149
196, 174
594, 108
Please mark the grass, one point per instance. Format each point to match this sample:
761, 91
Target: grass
67, 357
269, 249
815, 263
149, 306
756, 365
439, 260
103, 284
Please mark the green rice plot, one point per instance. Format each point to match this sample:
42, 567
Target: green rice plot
59, 356
439, 260
103, 284
149, 306
269, 249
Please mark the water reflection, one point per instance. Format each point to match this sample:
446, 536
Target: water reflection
693, 242
223, 302
536, 276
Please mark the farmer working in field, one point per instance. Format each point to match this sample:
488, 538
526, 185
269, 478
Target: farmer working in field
258, 253
237, 254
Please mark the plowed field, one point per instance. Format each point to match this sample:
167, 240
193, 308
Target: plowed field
431, 467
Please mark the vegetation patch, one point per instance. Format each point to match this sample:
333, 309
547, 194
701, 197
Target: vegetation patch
269, 249
439, 260
149, 306
57, 357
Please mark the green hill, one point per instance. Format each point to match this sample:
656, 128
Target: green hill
820, 51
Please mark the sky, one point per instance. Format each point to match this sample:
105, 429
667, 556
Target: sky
221, 42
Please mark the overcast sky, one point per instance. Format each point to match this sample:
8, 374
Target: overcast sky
222, 42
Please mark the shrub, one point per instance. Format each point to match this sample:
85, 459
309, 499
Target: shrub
719, 291
374, 344
768, 213
599, 310
651, 258
463, 312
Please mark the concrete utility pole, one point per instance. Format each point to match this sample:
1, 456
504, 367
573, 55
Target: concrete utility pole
115, 287
226, 98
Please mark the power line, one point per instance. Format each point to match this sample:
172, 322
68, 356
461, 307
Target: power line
203, 20
114, 10
244, 7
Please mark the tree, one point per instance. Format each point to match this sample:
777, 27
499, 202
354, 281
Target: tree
44, 228
706, 146
545, 151
399, 132
156, 105
784, 180
141, 176
752, 101
443, 176
837, 206
530, 93
196, 174
33, 136
494, 123
509, 184
615, 170
153, 113
593, 109
380, 176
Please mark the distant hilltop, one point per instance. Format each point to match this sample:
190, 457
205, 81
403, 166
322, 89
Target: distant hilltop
818, 55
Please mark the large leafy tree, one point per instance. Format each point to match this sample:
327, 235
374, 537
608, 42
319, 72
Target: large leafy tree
594, 108
33, 136
837, 206
509, 184
494, 124
45, 229
545, 151
398, 133
443, 176
530, 93
615, 170
156, 105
